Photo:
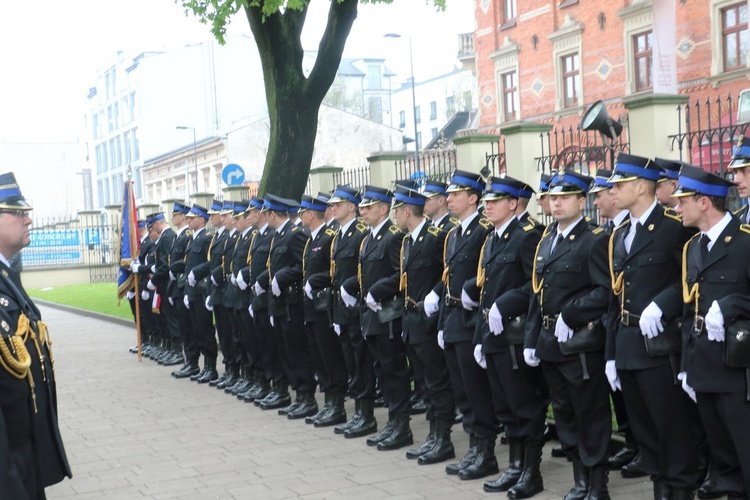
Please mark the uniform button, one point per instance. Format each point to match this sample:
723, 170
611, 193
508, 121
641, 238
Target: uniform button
547, 271
546, 286
627, 301
650, 259
701, 278
722, 277
627, 267
627, 283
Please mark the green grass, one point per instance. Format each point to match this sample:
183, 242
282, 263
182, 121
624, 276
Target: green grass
98, 297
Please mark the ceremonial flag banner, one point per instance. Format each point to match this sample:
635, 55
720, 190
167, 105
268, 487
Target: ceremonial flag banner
129, 241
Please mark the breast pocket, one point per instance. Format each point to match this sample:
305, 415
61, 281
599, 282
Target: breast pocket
722, 277
419, 264
652, 260
567, 272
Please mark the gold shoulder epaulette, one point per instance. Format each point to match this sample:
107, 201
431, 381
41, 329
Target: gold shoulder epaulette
736, 212
433, 230
330, 232
455, 220
361, 219
745, 228
361, 228
394, 229
588, 219
294, 228
528, 227
485, 223
598, 230
672, 214
623, 223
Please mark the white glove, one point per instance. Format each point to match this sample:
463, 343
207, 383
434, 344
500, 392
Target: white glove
250, 310
495, 320
370, 301
172, 277
150, 285
233, 280
144, 294
467, 301
682, 376
171, 301
130, 295
440, 340
258, 289
153, 269
611, 371
134, 266
213, 281
349, 300
337, 329
650, 321
241, 282
308, 290
191, 279
186, 301
275, 288
270, 318
715, 323
208, 304
562, 331
431, 304
479, 356
529, 357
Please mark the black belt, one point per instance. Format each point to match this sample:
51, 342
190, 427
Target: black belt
699, 325
452, 301
411, 304
549, 321
629, 319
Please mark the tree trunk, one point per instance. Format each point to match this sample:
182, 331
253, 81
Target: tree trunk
293, 100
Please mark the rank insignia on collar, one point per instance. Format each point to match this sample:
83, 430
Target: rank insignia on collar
3, 302
5, 273
378, 238
505, 236
650, 227
727, 239
572, 237
421, 238
5, 326
468, 232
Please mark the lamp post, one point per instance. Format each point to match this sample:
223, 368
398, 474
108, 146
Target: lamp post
413, 99
195, 155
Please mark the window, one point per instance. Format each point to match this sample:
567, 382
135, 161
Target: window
136, 148
433, 110
95, 125
418, 114
126, 147
433, 132
375, 109
116, 114
110, 119
510, 95
642, 60
734, 35
401, 119
112, 155
118, 151
509, 11
418, 145
571, 77
450, 105
133, 110
373, 76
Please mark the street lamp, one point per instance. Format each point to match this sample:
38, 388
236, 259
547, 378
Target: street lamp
195, 155
413, 99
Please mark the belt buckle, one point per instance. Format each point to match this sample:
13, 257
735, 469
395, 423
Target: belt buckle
625, 317
698, 325
486, 315
547, 322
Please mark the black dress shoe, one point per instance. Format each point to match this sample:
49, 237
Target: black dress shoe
288, 408
623, 457
634, 468
211, 374
336, 414
484, 464
173, 360
709, 488
454, 468
400, 436
558, 452
281, 400
442, 449
418, 407
256, 393
241, 385
384, 432
232, 379
513, 473
366, 424
307, 407
219, 380
459, 417
200, 374
187, 371
426, 446
133, 350
341, 428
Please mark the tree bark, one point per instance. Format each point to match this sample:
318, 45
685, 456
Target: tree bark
293, 100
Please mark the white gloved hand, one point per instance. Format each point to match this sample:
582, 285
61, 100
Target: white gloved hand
191, 279
208, 304
250, 310
431, 304
144, 294
186, 301
682, 376
337, 329
172, 277
213, 281
479, 356
275, 288
562, 331
153, 269
611, 371
715, 323
134, 266
270, 318
240, 282
171, 301
233, 279
440, 340
529, 357
467, 301
349, 300
258, 289
495, 320
150, 285
308, 290
130, 295
650, 321
370, 301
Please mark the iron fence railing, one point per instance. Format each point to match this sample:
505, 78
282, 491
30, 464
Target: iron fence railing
356, 178
436, 165
495, 159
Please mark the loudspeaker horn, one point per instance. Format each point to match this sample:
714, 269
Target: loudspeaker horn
596, 118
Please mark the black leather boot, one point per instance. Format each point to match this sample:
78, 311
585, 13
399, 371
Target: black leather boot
307, 407
195, 377
341, 428
337, 413
401, 435
709, 488
366, 423
682, 494
188, 370
485, 462
530, 483
623, 457
443, 448
256, 391
175, 357
243, 384
224, 376
233, 376
278, 398
292, 406
598, 483
662, 491
581, 477
327, 397
426, 446
384, 432
634, 468
466, 460
513, 472
417, 405
210, 373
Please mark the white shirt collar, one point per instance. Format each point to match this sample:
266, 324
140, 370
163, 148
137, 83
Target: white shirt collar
281, 228
377, 228
437, 222
417, 230
718, 228
465, 223
570, 228
502, 228
346, 226
521, 216
246, 230
144, 239
181, 230
617, 219
315, 231
198, 231
219, 231
4, 260
643, 218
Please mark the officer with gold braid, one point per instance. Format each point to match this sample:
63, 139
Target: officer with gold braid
32, 455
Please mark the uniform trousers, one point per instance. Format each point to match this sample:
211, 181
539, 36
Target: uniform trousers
394, 372
347, 350
328, 349
364, 379
187, 331
223, 318
171, 316
437, 388
269, 357
243, 331
295, 353
203, 329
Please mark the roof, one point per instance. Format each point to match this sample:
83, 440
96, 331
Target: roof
460, 121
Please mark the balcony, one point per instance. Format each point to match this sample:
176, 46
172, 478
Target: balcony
466, 52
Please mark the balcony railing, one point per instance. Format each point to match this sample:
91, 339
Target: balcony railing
465, 45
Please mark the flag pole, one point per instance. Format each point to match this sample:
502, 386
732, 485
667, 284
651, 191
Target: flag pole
133, 246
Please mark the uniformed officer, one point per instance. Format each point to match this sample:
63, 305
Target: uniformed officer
330, 220
381, 307
667, 182
738, 166
421, 270
716, 292
564, 332
456, 326
541, 194
142, 268
436, 206
31, 448
522, 211
643, 347
503, 290
182, 329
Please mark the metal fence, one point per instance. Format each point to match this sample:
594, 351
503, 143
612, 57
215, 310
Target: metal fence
356, 178
436, 165
495, 159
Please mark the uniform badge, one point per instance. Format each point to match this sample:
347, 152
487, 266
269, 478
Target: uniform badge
421, 238
572, 237
727, 239
349, 233
5, 273
650, 227
3, 302
379, 236
468, 232
5, 326
505, 236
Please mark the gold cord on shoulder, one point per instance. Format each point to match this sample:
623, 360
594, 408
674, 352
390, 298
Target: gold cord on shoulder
617, 281
332, 268
402, 280
693, 293
480, 266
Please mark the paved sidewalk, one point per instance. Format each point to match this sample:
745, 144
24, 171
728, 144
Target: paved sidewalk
134, 432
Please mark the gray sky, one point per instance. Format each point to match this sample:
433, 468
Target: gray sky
51, 53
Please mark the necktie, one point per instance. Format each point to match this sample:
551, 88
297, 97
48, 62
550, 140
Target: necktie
705, 240
556, 243
610, 226
459, 231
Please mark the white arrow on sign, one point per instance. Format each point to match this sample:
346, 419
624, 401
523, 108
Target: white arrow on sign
235, 174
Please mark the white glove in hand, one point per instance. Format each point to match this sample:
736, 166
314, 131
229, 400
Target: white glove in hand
258, 289
241, 282
479, 356
233, 279
186, 301
431, 304
150, 285
682, 376
715, 323
191, 279
370, 301
349, 300
562, 331
213, 281
250, 310
134, 266
270, 318
650, 321
171, 301
337, 329
208, 304
275, 288
611, 371
308, 290
440, 340
130, 295
144, 294
495, 320
467, 301
172, 277
529, 357
153, 269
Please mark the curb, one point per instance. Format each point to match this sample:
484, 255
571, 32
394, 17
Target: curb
84, 312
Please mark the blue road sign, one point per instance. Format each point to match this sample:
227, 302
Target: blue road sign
233, 175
